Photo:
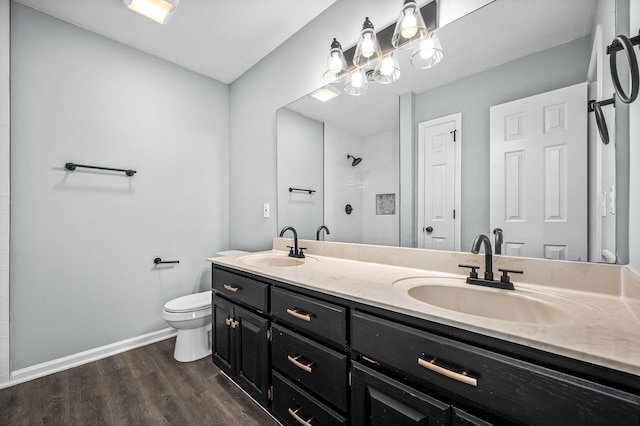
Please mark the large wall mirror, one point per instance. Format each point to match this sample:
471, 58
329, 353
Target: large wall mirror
369, 167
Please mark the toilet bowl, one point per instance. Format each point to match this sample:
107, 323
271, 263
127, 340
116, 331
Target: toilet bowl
191, 315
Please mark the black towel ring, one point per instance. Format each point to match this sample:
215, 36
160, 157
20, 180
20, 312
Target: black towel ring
601, 123
627, 46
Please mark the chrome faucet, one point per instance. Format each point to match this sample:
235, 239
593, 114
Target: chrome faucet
293, 252
488, 260
320, 230
497, 244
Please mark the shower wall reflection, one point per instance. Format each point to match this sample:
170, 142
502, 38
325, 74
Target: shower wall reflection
370, 186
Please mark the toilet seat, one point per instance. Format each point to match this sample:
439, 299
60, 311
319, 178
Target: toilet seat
189, 303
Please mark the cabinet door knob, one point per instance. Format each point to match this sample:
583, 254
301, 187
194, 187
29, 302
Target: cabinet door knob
448, 373
294, 313
428, 229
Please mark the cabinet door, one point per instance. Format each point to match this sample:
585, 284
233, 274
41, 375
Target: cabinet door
461, 418
222, 347
377, 400
252, 353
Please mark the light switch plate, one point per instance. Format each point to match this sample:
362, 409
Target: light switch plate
266, 210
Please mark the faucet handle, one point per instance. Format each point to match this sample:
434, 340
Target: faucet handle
300, 253
290, 251
504, 278
474, 270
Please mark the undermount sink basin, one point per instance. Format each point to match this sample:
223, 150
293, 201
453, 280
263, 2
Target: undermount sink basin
505, 305
276, 261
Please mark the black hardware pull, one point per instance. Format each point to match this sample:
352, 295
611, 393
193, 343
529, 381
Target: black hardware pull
159, 261
73, 166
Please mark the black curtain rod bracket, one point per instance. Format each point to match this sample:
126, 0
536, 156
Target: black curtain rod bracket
73, 166
159, 261
310, 191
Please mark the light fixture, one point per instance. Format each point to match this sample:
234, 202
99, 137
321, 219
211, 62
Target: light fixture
414, 29
428, 53
368, 49
410, 27
158, 10
336, 64
357, 83
388, 70
325, 94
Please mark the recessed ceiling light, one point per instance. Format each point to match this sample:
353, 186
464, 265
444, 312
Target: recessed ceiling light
325, 94
158, 10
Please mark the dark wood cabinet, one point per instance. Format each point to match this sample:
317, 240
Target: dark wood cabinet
317, 318
310, 365
501, 386
294, 407
404, 370
240, 346
380, 401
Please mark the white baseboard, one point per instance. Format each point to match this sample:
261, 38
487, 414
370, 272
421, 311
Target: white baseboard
67, 362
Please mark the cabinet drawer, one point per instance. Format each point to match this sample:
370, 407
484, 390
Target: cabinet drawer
294, 407
242, 289
515, 390
313, 366
307, 314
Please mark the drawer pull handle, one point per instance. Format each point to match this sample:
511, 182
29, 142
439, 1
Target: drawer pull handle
231, 287
448, 373
294, 361
296, 314
299, 419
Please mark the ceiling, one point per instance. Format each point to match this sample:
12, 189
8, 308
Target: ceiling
495, 34
205, 36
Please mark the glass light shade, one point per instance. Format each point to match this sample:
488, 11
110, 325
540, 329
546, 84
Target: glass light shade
368, 48
388, 70
158, 10
410, 27
357, 83
428, 53
336, 67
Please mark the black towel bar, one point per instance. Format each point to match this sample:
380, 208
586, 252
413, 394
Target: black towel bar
73, 166
310, 191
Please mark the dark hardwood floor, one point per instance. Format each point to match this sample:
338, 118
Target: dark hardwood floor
145, 386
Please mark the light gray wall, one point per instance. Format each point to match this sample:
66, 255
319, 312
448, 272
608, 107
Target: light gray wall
83, 242
300, 159
288, 73
473, 96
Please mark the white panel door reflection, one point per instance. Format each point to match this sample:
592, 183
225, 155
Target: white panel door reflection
539, 174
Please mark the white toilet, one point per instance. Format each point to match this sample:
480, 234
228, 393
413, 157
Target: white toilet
191, 315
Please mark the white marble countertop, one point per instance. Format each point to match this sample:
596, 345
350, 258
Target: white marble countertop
595, 327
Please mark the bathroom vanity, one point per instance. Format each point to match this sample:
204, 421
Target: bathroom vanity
343, 337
